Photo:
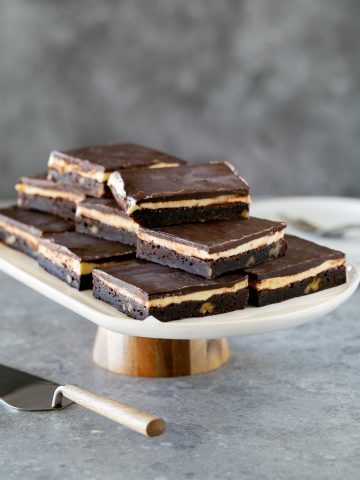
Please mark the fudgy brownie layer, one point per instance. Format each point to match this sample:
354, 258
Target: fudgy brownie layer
88, 185
214, 305
98, 229
209, 268
17, 243
56, 206
80, 282
175, 216
328, 279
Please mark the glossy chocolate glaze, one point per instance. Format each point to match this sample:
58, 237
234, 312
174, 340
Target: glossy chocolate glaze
88, 248
184, 182
37, 223
301, 255
217, 236
154, 280
115, 157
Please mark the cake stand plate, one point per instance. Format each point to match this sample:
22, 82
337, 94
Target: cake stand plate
182, 347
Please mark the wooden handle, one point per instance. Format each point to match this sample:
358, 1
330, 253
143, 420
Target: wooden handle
126, 415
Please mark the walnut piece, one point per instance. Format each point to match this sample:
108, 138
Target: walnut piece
313, 286
207, 307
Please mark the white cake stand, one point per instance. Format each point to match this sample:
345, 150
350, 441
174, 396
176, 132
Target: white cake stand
182, 347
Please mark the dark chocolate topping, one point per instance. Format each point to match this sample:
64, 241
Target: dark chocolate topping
186, 181
104, 205
41, 181
218, 236
88, 248
154, 280
116, 157
300, 256
36, 222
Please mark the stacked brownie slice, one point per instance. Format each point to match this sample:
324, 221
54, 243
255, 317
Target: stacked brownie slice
205, 254
73, 195
190, 193
199, 251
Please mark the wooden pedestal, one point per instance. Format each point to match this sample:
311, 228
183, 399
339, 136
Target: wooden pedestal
152, 357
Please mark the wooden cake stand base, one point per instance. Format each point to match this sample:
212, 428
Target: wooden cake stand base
153, 357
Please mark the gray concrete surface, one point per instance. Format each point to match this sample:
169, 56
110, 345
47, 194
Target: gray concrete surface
273, 86
286, 407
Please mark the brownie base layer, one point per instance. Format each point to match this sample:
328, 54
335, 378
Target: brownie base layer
17, 244
56, 206
89, 186
174, 216
213, 306
329, 279
80, 282
100, 230
208, 268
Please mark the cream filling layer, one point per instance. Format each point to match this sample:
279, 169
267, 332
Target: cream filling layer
70, 263
15, 232
279, 282
110, 219
163, 165
200, 296
202, 254
43, 192
63, 167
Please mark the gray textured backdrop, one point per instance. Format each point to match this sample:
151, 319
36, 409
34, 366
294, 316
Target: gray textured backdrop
272, 85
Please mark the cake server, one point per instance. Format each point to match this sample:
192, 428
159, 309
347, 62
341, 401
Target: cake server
23, 391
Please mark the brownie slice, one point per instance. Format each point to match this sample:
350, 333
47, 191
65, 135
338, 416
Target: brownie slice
141, 289
213, 248
306, 268
187, 194
22, 229
103, 218
38, 193
90, 167
72, 256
